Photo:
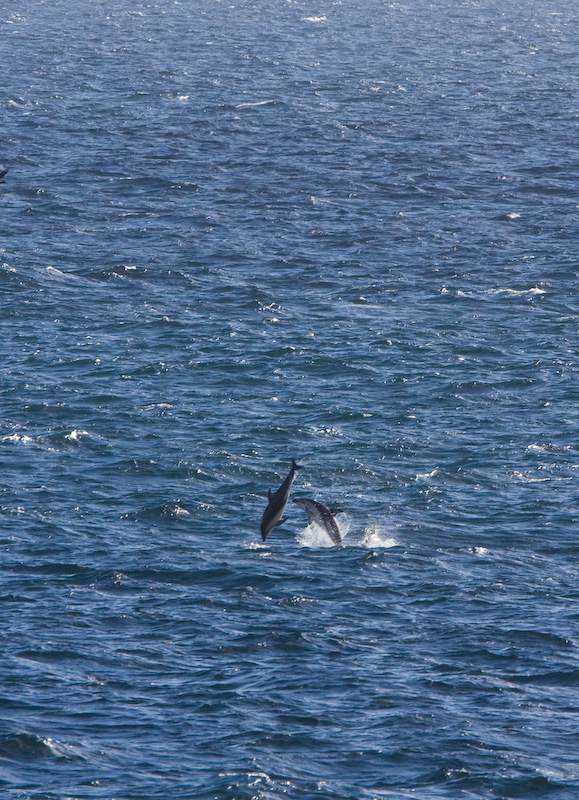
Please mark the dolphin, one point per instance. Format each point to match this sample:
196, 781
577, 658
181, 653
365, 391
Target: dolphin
272, 516
3, 171
322, 516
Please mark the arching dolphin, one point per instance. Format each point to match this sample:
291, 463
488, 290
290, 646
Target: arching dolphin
3, 171
322, 516
272, 515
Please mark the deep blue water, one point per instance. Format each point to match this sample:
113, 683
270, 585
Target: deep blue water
233, 233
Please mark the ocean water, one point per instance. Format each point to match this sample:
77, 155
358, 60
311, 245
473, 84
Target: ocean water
236, 233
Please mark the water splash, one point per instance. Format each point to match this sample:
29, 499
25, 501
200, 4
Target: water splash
372, 536
375, 536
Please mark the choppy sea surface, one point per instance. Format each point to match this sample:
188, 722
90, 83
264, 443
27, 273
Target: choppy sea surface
236, 233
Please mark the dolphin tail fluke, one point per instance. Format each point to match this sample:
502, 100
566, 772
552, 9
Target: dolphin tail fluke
295, 466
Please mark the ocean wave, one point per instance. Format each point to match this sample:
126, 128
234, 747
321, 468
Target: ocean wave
29, 747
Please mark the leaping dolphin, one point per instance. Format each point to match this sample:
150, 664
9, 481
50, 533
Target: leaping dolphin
272, 516
322, 516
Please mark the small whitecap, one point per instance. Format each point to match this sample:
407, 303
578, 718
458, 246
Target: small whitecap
535, 290
162, 407
255, 104
61, 749
528, 477
315, 19
546, 448
296, 600
422, 476
18, 510
17, 438
255, 778
178, 511
75, 435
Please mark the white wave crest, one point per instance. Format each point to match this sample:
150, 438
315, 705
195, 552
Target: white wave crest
17, 438
75, 435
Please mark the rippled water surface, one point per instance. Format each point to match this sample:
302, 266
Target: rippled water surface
237, 233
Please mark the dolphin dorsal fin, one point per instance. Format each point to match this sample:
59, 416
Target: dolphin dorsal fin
269, 495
